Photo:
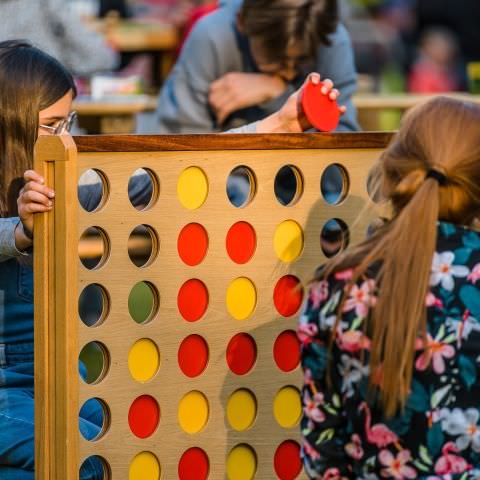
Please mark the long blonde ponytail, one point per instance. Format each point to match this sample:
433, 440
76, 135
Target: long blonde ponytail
443, 135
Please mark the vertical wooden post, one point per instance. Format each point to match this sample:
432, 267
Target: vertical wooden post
56, 328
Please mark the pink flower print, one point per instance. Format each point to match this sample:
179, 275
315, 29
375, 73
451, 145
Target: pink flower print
309, 451
449, 463
332, 474
396, 466
354, 448
306, 332
312, 406
443, 270
435, 351
433, 301
361, 298
344, 275
475, 274
378, 434
318, 293
352, 341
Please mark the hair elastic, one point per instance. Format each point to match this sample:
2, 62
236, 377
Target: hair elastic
436, 175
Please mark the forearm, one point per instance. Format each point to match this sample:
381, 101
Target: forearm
13, 240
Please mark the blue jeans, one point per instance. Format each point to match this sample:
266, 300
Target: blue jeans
17, 417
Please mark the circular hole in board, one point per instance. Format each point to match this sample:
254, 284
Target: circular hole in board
287, 462
143, 302
241, 409
241, 242
143, 189
144, 466
241, 463
241, 298
288, 185
192, 188
241, 353
96, 466
93, 362
194, 465
193, 412
93, 305
287, 407
334, 237
192, 300
241, 186
193, 355
93, 190
286, 351
144, 416
288, 295
93, 248
334, 184
192, 244
288, 241
143, 360
94, 419
142, 245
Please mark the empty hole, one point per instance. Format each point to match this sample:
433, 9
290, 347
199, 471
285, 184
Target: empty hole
143, 302
143, 188
241, 186
288, 185
93, 362
374, 185
92, 190
334, 184
94, 419
142, 245
334, 237
93, 248
95, 467
93, 305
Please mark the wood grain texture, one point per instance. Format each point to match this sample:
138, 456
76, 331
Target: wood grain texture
151, 143
55, 330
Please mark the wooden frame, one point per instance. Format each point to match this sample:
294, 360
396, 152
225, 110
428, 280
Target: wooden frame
60, 277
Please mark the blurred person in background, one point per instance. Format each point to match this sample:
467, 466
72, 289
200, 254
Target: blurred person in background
241, 62
53, 27
462, 18
437, 68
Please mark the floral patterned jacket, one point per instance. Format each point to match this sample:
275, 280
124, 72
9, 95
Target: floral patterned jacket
437, 435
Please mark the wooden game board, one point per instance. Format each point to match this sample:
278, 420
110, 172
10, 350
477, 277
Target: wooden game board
181, 398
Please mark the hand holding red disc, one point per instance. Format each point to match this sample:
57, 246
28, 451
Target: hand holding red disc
321, 111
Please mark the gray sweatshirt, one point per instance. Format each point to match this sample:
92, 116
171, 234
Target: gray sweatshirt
51, 26
215, 48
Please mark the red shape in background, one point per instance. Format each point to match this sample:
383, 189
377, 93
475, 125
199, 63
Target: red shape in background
286, 351
192, 244
194, 465
287, 461
143, 416
192, 300
320, 111
193, 355
241, 242
241, 353
288, 295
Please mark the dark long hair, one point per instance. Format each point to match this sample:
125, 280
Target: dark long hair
30, 81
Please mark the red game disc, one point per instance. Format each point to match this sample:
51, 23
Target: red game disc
321, 112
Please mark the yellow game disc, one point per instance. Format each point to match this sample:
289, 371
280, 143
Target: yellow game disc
193, 412
144, 466
241, 298
143, 360
241, 463
241, 409
287, 407
192, 188
288, 241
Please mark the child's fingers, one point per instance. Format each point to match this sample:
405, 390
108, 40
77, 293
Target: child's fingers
342, 109
33, 176
314, 77
37, 187
334, 94
36, 208
327, 86
32, 197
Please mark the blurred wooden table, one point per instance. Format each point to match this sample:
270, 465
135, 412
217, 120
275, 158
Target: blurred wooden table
370, 106
112, 115
158, 40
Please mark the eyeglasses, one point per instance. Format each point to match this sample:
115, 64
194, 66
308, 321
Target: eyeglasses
62, 126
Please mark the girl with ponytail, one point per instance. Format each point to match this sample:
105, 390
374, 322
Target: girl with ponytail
391, 329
